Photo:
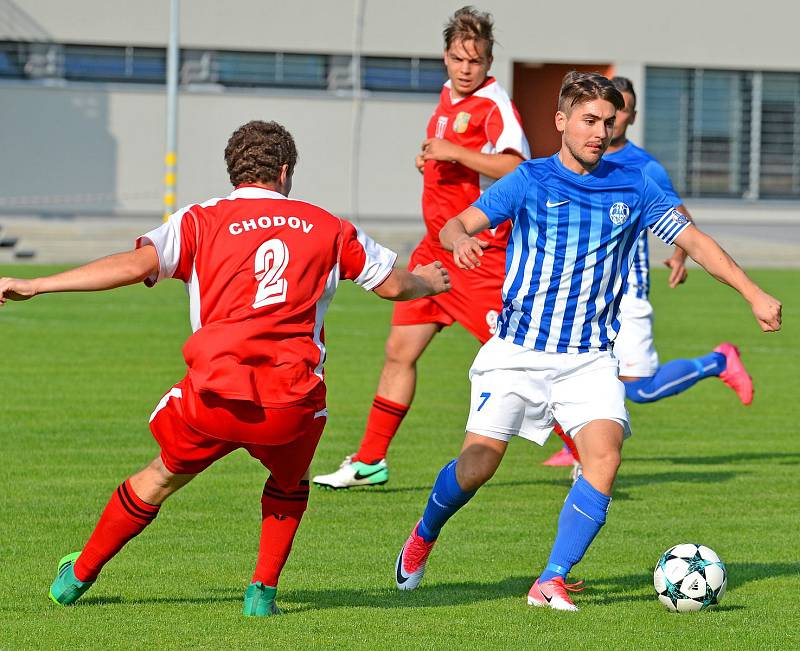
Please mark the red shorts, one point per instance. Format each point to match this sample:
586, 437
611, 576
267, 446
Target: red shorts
475, 297
194, 430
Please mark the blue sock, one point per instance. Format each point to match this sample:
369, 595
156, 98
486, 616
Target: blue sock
583, 514
674, 377
445, 499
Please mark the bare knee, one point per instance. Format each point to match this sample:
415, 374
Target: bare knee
472, 476
608, 459
155, 483
397, 353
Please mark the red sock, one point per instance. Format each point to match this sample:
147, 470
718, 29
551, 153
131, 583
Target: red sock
124, 517
383, 422
281, 512
567, 441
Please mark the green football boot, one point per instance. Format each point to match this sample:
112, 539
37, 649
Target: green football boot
259, 601
66, 589
354, 473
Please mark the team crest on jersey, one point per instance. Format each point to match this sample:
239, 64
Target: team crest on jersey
677, 217
441, 125
619, 213
491, 321
461, 122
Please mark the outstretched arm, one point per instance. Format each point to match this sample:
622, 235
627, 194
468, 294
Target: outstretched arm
106, 273
708, 254
425, 280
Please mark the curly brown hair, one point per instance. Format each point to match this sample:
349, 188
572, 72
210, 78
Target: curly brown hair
580, 87
256, 151
469, 24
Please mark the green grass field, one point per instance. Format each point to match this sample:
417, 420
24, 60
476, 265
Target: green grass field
81, 373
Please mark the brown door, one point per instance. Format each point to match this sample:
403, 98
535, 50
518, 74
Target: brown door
536, 87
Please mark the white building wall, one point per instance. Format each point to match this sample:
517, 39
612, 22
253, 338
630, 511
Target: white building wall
90, 148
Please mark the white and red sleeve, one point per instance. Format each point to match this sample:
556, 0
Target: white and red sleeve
175, 242
362, 259
504, 127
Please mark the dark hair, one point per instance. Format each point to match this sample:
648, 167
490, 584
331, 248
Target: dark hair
256, 151
469, 24
624, 85
579, 87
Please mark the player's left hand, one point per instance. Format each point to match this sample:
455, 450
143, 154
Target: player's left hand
677, 266
767, 310
467, 252
16, 289
439, 149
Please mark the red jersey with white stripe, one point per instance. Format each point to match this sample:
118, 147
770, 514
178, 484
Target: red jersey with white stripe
261, 270
486, 121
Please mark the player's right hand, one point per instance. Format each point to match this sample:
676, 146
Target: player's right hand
16, 289
467, 252
419, 161
435, 275
767, 311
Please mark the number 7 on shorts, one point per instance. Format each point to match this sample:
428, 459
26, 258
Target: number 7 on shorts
485, 395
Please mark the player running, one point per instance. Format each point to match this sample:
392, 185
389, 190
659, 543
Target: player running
260, 270
474, 137
576, 221
645, 380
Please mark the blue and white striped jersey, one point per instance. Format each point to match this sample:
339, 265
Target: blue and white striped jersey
571, 247
633, 156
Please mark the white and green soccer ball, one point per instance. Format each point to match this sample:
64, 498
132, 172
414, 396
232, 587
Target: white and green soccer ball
689, 577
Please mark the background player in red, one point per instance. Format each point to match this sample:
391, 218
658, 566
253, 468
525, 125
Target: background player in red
260, 270
474, 137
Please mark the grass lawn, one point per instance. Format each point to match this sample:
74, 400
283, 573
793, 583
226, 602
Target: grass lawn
80, 375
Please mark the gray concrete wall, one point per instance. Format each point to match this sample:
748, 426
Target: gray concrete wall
79, 150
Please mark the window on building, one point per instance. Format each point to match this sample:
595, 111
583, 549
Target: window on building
12, 59
725, 133
104, 63
271, 69
780, 135
130, 64
405, 75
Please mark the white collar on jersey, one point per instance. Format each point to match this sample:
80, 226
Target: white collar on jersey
254, 192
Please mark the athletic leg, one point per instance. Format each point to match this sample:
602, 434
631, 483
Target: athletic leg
283, 503
132, 507
396, 387
455, 485
674, 377
584, 512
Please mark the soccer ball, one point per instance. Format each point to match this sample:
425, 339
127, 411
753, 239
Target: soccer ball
689, 577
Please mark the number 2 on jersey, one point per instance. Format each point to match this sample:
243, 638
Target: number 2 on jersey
271, 260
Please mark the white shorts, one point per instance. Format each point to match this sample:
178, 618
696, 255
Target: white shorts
633, 346
517, 391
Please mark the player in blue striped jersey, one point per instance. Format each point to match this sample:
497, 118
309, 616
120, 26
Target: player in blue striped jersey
576, 220
645, 379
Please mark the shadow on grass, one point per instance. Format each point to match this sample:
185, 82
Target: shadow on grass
624, 481
638, 587
781, 458
601, 591
442, 594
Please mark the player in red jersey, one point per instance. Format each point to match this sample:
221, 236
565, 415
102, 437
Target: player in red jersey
474, 137
261, 270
